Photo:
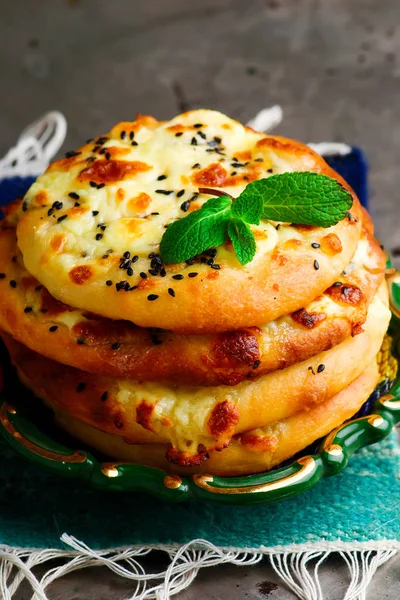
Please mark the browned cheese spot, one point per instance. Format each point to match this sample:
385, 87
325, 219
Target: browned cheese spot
223, 418
57, 242
259, 443
309, 320
41, 198
184, 459
143, 415
331, 244
345, 294
214, 175
235, 349
139, 203
80, 274
111, 171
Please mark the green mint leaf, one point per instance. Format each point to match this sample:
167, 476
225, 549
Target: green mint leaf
248, 207
303, 198
202, 229
243, 240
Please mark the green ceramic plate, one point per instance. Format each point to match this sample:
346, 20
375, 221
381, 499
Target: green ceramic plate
327, 457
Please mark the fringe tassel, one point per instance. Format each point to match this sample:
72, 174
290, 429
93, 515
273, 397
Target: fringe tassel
298, 570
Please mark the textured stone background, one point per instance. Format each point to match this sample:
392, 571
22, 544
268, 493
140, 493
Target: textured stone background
333, 65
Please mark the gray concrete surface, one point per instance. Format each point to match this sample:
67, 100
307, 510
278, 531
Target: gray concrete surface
332, 64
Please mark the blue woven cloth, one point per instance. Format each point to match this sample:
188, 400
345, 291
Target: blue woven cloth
359, 505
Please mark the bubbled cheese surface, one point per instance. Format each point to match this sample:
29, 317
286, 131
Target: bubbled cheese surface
115, 196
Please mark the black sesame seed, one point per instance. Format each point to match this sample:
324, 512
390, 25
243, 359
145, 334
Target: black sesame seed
109, 282
179, 134
193, 141
108, 156
212, 144
277, 227
143, 275
129, 271
93, 184
38, 288
28, 309
203, 259
171, 292
153, 272
74, 195
95, 213
13, 283
320, 368
103, 151
24, 206
90, 158
270, 170
237, 165
80, 341
53, 328
122, 135
180, 193
116, 346
104, 396
192, 275
210, 261
80, 387
152, 297
211, 252
76, 204
196, 166
61, 218
135, 258
256, 364
99, 236
155, 341
258, 160
233, 173
95, 148
203, 136
177, 277
71, 154
134, 144
316, 265
57, 205
161, 177
163, 272
165, 192
198, 125
2, 275
103, 227
131, 135
315, 245
217, 139
185, 206
216, 267
100, 185
50, 212
102, 140
156, 262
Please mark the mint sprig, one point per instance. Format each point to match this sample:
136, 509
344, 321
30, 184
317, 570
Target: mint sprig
301, 198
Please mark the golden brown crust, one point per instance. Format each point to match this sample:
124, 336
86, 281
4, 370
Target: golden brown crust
198, 419
252, 452
120, 349
67, 252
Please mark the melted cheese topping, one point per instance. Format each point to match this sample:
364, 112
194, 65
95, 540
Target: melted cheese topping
115, 196
170, 162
